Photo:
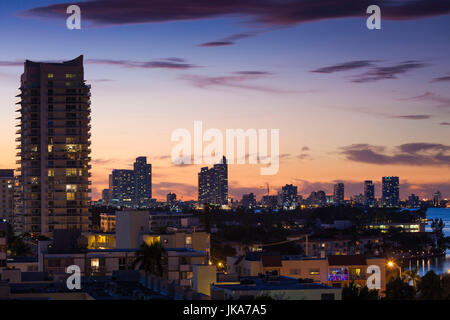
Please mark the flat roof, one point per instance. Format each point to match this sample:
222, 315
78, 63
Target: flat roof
284, 283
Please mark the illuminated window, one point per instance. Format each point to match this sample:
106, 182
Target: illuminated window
70, 196
95, 263
50, 148
70, 75
70, 140
71, 172
71, 188
51, 172
188, 240
50, 75
314, 271
73, 147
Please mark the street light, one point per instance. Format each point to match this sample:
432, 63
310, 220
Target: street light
392, 264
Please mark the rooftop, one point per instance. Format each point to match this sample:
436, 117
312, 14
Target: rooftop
283, 283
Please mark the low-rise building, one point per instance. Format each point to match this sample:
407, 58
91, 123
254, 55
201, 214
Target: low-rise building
179, 264
199, 241
6, 195
108, 222
334, 270
3, 243
404, 226
275, 287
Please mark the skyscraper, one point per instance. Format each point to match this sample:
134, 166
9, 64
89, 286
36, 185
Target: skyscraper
369, 193
437, 198
338, 194
143, 182
6, 195
213, 184
288, 197
123, 187
390, 192
248, 201
54, 133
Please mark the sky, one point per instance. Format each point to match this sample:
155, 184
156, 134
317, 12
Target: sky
351, 104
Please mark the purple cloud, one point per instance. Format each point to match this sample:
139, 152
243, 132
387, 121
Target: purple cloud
413, 117
170, 63
387, 73
237, 80
269, 12
346, 66
414, 154
441, 79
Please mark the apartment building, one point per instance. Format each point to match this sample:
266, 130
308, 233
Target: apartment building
275, 287
180, 262
6, 195
334, 270
3, 243
54, 150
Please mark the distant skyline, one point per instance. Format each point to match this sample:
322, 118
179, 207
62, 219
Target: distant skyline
351, 104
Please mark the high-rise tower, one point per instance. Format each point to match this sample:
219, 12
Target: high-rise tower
54, 133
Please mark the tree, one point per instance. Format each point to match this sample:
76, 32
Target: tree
353, 292
149, 259
429, 287
17, 244
437, 225
397, 289
412, 275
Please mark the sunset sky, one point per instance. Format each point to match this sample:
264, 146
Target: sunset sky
351, 104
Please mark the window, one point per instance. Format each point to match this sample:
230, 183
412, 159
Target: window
71, 172
95, 263
71, 188
70, 196
314, 271
51, 172
70, 75
188, 240
50, 76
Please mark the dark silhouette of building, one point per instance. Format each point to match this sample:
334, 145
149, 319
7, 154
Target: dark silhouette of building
54, 132
123, 187
317, 198
338, 194
270, 201
413, 201
213, 184
143, 182
249, 201
390, 192
369, 193
171, 199
437, 198
289, 197
7, 182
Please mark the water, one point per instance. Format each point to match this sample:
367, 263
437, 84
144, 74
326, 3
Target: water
437, 265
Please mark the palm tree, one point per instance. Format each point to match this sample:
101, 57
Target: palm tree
149, 259
412, 275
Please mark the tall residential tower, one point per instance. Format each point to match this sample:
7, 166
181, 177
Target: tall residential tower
54, 150
213, 184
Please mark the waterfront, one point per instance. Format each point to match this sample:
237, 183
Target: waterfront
439, 265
